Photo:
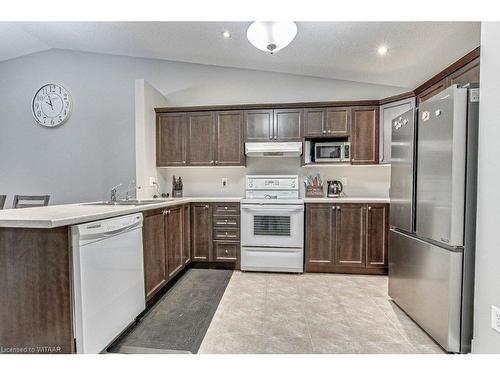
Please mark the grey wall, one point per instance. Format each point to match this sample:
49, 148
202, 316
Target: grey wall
94, 150
487, 291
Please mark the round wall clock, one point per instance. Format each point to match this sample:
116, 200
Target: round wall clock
51, 105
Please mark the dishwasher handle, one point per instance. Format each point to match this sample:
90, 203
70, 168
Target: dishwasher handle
108, 228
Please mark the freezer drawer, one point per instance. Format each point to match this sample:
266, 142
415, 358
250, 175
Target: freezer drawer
441, 157
426, 282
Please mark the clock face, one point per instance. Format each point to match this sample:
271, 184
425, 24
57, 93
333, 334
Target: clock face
51, 105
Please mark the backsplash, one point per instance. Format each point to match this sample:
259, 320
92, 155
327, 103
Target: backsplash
372, 181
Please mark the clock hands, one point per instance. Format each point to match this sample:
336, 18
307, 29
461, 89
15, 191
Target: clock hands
50, 102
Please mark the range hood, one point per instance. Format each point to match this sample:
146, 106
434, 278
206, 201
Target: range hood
289, 149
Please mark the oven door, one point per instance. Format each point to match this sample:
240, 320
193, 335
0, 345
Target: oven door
272, 225
328, 152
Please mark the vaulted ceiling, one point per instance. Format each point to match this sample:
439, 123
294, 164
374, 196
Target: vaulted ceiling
338, 50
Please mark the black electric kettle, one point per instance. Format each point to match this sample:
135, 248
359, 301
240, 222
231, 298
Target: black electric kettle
334, 189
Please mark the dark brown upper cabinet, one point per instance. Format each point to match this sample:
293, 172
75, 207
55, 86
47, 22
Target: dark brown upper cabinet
201, 231
229, 138
259, 125
155, 256
433, 90
364, 135
280, 125
377, 227
200, 138
338, 121
467, 74
171, 139
204, 138
314, 122
288, 125
174, 227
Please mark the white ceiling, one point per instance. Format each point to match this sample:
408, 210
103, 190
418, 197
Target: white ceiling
340, 50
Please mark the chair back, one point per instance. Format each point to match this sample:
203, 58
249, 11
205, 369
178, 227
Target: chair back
24, 201
2, 201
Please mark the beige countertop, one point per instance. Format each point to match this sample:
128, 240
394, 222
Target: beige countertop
347, 200
69, 214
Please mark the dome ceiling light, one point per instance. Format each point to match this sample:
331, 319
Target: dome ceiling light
269, 36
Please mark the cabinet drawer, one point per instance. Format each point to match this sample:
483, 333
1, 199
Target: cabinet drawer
226, 209
226, 251
226, 234
226, 221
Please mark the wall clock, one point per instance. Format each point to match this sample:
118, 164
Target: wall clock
51, 105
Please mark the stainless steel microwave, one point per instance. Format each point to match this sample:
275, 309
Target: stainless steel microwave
328, 152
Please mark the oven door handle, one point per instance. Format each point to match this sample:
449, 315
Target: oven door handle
270, 209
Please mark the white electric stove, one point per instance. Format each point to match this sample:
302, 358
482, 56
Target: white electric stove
272, 225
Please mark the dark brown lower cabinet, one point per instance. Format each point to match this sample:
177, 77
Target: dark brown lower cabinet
155, 256
320, 236
215, 235
350, 250
187, 234
174, 228
346, 238
377, 228
201, 231
166, 248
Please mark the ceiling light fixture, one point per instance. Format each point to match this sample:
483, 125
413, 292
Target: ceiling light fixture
271, 36
226, 34
382, 50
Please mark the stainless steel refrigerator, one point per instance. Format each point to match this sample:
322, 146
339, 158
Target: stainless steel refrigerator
432, 215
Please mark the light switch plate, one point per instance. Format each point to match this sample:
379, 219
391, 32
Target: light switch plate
495, 318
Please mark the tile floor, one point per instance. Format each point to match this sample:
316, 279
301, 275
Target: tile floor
312, 313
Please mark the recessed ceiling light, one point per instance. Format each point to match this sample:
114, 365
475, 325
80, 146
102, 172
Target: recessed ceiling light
226, 34
382, 50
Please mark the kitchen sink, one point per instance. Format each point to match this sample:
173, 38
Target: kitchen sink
130, 202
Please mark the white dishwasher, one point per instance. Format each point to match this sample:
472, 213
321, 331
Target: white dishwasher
108, 279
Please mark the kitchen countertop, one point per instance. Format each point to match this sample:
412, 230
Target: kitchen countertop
69, 214
347, 200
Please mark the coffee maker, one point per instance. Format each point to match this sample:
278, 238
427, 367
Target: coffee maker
334, 189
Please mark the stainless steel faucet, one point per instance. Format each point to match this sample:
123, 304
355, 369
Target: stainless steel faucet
113, 192
131, 185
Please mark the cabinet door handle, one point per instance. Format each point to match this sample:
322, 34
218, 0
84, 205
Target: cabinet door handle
333, 207
338, 207
369, 208
206, 206
227, 252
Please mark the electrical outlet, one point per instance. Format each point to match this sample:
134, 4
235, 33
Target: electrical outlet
224, 181
495, 318
152, 181
343, 180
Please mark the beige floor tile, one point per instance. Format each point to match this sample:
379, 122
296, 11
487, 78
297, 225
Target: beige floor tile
312, 313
